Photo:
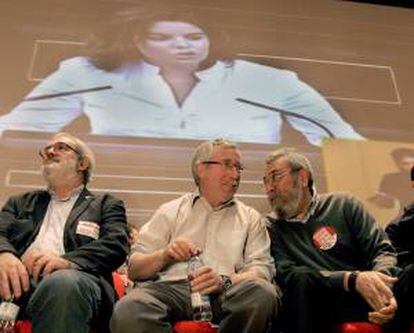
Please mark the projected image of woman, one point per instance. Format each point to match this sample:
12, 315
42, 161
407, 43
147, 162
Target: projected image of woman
171, 75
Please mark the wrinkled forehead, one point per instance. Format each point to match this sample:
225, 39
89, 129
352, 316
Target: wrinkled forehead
64, 139
60, 138
280, 163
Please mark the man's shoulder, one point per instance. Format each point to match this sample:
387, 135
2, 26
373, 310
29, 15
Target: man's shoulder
174, 206
406, 218
332, 197
103, 197
246, 208
249, 215
27, 196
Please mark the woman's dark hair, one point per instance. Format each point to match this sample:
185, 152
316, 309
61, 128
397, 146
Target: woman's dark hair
115, 42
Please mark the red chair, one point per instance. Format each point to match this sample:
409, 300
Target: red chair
194, 327
358, 327
23, 326
364, 327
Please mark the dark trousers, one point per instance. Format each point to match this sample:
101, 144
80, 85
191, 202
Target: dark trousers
248, 307
311, 305
67, 301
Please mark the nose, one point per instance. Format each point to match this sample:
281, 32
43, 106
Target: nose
269, 188
180, 41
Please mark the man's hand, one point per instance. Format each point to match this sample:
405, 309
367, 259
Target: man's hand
385, 314
375, 288
13, 276
180, 250
43, 264
206, 281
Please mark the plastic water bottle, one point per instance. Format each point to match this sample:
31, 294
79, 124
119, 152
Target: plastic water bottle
200, 303
8, 315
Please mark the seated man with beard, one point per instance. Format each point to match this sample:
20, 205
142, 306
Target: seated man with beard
334, 263
58, 247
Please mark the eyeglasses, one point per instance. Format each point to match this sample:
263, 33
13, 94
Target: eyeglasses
59, 147
227, 165
276, 176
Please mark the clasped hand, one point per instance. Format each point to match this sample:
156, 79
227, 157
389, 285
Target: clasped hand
15, 273
375, 288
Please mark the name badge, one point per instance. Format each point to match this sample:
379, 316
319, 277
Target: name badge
325, 238
88, 228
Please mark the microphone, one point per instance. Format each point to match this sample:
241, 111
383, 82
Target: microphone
288, 113
65, 93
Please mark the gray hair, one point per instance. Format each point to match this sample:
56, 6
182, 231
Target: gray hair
82, 150
297, 161
204, 151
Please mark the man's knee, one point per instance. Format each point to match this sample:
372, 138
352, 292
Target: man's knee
68, 288
304, 279
61, 282
257, 294
134, 309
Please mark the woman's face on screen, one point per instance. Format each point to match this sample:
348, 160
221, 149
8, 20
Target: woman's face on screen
174, 43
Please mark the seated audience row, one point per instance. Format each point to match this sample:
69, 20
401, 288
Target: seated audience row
59, 247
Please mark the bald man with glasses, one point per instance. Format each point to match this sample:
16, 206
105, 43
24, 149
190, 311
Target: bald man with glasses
59, 246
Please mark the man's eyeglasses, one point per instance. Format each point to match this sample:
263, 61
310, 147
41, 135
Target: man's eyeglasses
58, 147
276, 176
227, 165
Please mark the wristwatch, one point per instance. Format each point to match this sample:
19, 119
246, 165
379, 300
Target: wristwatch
226, 282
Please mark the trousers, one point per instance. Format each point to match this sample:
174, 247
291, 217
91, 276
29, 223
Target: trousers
310, 305
248, 307
66, 301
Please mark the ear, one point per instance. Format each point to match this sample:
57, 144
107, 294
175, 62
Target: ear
303, 176
201, 168
137, 42
83, 164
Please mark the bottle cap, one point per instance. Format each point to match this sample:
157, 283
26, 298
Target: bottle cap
9, 310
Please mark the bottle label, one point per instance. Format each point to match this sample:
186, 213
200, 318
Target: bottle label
196, 300
9, 310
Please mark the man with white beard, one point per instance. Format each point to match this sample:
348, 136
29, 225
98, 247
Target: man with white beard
334, 263
59, 246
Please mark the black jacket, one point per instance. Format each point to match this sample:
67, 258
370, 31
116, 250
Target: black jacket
22, 216
401, 234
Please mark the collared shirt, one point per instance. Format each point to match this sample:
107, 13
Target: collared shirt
50, 236
141, 103
233, 237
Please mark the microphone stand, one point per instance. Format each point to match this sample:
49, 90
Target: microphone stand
65, 93
288, 113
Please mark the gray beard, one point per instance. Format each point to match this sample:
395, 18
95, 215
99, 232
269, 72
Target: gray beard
58, 173
286, 211
287, 206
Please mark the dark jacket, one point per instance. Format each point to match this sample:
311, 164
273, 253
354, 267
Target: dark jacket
22, 216
354, 241
401, 234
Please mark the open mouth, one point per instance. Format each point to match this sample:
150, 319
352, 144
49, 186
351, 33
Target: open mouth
52, 160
